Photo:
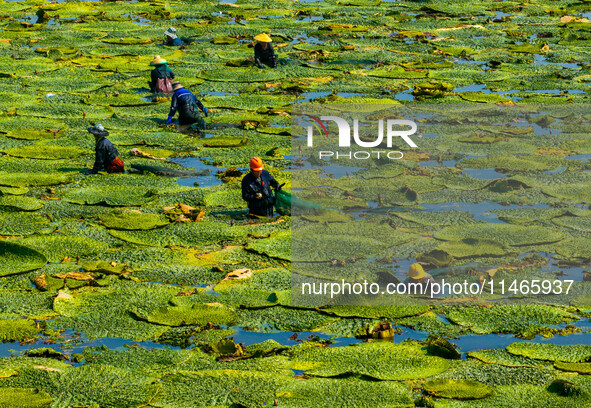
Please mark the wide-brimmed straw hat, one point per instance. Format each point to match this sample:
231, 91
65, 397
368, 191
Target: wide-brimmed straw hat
263, 38
176, 85
158, 60
98, 130
416, 271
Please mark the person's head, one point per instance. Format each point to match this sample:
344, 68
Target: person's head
256, 166
416, 271
263, 39
176, 85
157, 61
98, 131
170, 34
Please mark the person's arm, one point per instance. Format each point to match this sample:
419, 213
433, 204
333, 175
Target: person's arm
272, 182
247, 194
200, 106
170, 73
99, 160
173, 105
258, 54
154, 76
273, 56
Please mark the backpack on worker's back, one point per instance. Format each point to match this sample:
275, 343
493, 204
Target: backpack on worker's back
163, 85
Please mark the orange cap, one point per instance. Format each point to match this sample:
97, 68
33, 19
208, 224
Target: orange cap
256, 164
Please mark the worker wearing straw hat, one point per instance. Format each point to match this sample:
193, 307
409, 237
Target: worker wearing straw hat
188, 107
256, 189
106, 154
161, 75
418, 277
263, 52
172, 40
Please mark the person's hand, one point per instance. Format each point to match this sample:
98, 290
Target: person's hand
169, 120
259, 196
279, 188
205, 111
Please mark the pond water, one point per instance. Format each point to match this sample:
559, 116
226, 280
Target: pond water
73, 343
198, 164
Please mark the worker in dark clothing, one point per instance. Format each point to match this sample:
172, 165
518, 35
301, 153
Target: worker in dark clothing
172, 40
188, 107
256, 189
263, 52
106, 154
161, 76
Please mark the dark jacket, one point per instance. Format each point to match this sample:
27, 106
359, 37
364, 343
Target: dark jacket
105, 153
176, 42
251, 186
265, 56
161, 71
182, 101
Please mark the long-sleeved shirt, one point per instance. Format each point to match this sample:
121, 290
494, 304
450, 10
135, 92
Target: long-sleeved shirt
265, 56
182, 100
252, 185
174, 42
105, 153
161, 71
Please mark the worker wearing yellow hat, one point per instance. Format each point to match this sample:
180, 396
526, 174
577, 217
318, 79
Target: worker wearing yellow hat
264, 55
417, 275
161, 76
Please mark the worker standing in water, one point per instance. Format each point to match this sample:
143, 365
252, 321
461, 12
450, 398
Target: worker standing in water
171, 39
106, 154
256, 189
264, 55
188, 107
161, 76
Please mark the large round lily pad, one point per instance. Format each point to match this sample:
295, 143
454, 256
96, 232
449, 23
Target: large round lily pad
133, 220
198, 315
514, 235
458, 389
33, 179
55, 247
21, 203
384, 361
569, 353
276, 246
47, 152
15, 258
24, 398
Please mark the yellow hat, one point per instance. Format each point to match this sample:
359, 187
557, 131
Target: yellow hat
416, 271
158, 60
262, 38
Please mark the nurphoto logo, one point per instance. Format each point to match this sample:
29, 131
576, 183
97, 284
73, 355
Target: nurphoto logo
392, 126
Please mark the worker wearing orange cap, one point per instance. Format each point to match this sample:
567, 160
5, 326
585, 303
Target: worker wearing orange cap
256, 189
263, 52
